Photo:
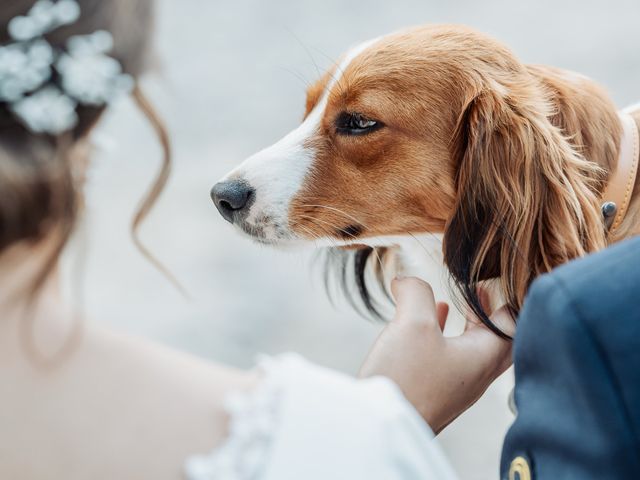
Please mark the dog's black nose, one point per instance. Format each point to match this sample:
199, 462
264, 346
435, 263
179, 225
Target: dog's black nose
231, 197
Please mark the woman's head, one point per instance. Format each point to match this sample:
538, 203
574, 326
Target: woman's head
39, 186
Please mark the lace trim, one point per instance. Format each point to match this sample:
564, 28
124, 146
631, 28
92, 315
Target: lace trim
253, 417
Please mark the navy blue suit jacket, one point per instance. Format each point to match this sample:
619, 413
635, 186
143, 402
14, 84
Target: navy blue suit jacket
577, 368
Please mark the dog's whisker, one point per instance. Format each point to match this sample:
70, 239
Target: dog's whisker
311, 223
338, 68
380, 263
375, 251
306, 49
331, 60
306, 83
351, 217
424, 247
333, 228
313, 237
328, 234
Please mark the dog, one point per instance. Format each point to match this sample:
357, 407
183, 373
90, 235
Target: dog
442, 130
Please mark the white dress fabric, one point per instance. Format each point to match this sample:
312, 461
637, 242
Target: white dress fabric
308, 422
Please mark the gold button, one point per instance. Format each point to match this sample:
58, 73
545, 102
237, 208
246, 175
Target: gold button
519, 469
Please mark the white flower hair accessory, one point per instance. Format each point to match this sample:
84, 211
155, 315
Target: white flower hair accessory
47, 111
88, 74
24, 68
44, 16
42, 85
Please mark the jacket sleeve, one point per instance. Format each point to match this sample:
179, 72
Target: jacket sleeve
577, 367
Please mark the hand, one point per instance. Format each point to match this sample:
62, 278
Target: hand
441, 376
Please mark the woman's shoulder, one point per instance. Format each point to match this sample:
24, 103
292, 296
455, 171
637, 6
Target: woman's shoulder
134, 409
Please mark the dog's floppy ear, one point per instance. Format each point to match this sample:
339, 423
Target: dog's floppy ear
526, 200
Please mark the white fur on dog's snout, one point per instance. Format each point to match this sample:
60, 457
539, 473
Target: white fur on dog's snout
278, 172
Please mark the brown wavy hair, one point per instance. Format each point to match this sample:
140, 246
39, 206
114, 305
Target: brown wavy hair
39, 193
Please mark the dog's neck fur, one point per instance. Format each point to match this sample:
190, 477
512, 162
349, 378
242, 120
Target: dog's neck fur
582, 108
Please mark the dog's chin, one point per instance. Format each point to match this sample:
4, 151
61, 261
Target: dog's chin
274, 236
284, 245
271, 235
265, 230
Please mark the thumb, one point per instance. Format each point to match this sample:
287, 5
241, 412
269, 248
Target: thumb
414, 301
491, 350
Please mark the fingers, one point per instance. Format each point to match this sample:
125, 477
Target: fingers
414, 301
490, 350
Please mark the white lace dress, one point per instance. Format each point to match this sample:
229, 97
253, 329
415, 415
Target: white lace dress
306, 422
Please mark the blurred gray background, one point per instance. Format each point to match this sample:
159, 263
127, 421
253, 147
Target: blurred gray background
229, 78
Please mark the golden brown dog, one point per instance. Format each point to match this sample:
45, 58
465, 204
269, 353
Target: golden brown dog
440, 129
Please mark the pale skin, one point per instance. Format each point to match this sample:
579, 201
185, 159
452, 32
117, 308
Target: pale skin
123, 407
441, 376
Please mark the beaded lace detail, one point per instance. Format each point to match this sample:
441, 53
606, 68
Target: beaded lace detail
253, 419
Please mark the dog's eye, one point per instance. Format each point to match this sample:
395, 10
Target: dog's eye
355, 124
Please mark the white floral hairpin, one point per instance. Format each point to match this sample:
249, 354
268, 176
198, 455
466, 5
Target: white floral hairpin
86, 74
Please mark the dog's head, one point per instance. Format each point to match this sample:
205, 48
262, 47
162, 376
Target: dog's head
437, 129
